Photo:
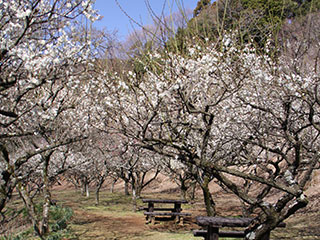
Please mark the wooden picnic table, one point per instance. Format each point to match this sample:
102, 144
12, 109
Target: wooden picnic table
213, 227
176, 211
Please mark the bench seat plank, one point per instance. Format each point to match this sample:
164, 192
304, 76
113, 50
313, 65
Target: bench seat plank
227, 222
226, 234
164, 201
166, 214
213, 225
158, 209
223, 221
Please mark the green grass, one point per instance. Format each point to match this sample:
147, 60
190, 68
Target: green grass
112, 208
115, 219
169, 236
120, 206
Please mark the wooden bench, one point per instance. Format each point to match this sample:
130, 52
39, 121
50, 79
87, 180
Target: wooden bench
223, 234
175, 213
177, 216
213, 227
157, 209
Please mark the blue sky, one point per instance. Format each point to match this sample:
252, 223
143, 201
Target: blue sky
115, 19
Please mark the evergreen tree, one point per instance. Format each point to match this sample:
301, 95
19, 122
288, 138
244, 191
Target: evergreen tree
200, 6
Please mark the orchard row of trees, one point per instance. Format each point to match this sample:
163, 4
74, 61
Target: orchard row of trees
226, 108
41, 60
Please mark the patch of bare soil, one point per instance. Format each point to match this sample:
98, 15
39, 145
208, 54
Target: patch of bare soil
112, 226
95, 226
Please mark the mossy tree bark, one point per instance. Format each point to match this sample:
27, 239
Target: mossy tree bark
207, 197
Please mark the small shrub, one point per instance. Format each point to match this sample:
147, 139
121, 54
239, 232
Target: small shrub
21, 236
59, 217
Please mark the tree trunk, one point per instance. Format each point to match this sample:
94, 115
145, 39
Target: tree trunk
6, 195
30, 210
41, 227
85, 187
7, 183
87, 190
268, 220
262, 232
134, 192
112, 185
44, 227
98, 187
138, 191
192, 193
83, 190
126, 187
208, 201
134, 200
183, 190
97, 196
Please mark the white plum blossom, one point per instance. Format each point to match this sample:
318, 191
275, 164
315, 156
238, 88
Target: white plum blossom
227, 108
41, 63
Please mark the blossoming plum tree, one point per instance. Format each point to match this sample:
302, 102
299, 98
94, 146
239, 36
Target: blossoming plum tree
40, 60
172, 110
229, 110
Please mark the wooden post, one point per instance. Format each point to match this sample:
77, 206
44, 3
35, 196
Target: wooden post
213, 233
150, 219
177, 217
177, 209
153, 220
150, 206
181, 221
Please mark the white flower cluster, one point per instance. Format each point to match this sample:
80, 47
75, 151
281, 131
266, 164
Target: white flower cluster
243, 91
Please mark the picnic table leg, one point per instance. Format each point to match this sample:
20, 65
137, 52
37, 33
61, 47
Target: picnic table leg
150, 219
147, 219
153, 220
212, 234
178, 219
177, 209
181, 221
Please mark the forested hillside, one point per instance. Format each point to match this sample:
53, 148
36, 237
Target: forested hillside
253, 19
